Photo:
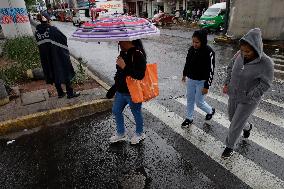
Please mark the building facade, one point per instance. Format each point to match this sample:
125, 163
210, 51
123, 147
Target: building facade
266, 15
138, 7
146, 8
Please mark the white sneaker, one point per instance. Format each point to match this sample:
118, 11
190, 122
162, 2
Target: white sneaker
117, 137
137, 138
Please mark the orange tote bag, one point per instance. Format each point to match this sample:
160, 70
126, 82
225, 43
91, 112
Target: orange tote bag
145, 89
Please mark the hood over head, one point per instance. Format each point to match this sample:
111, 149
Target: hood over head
202, 36
253, 37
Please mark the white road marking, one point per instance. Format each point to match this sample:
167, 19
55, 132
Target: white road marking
270, 117
278, 56
245, 169
281, 105
277, 60
258, 137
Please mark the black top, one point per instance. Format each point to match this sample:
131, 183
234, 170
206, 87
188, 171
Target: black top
135, 67
200, 64
54, 54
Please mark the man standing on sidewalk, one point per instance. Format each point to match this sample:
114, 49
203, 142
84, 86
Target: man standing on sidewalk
55, 56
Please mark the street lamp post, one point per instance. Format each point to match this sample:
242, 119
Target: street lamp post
91, 9
228, 3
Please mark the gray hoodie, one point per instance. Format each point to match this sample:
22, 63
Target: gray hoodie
248, 82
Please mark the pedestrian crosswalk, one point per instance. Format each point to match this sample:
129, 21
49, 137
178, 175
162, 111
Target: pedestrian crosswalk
267, 116
278, 66
252, 173
259, 137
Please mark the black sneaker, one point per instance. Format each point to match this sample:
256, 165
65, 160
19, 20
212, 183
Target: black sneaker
61, 95
228, 152
209, 116
75, 94
186, 122
246, 133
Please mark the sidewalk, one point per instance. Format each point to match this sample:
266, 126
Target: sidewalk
266, 43
37, 108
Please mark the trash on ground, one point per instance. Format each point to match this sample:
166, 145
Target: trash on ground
10, 142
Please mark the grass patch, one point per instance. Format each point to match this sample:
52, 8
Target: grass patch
81, 77
24, 51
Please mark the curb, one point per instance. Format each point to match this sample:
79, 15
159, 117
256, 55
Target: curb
266, 44
60, 115
4, 101
55, 116
90, 73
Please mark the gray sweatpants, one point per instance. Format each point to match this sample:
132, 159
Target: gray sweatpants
239, 114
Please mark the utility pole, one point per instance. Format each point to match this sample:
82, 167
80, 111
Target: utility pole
91, 9
15, 20
228, 3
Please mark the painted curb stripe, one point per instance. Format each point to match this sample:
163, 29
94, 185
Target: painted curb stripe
55, 116
245, 169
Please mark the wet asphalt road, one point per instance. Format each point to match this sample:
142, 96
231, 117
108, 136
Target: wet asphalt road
78, 154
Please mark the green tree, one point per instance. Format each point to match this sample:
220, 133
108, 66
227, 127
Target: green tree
30, 2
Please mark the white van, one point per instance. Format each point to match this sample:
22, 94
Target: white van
213, 17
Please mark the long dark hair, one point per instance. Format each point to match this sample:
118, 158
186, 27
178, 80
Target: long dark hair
139, 45
202, 36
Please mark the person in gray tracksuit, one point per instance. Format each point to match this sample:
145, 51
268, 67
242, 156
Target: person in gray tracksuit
249, 75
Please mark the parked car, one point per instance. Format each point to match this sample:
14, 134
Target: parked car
81, 17
163, 19
213, 17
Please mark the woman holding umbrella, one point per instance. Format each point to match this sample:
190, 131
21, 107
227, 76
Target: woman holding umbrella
130, 62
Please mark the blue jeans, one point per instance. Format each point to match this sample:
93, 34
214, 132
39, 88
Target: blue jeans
120, 101
194, 95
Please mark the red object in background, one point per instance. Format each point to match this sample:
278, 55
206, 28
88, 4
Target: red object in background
163, 18
100, 10
61, 16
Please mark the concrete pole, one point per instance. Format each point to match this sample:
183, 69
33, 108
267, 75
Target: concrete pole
137, 9
74, 4
14, 18
177, 5
184, 5
226, 25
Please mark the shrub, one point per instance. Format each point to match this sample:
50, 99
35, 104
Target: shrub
81, 76
24, 51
